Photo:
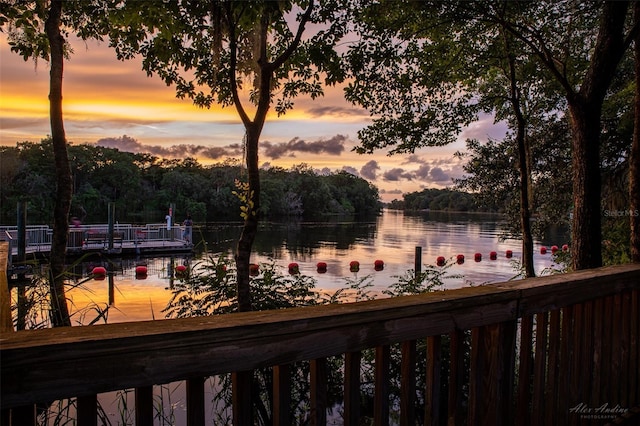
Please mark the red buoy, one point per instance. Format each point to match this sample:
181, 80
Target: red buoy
321, 267
378, 265
99, 273
460, 259
493, 255
294, 268
477, 257
440, 261
354, 266
543, 250
141, 272
254, 269
509, 254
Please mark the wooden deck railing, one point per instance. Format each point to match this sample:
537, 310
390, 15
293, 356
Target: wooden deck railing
553, 350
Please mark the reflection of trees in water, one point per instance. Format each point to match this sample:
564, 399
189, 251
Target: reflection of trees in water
298, 238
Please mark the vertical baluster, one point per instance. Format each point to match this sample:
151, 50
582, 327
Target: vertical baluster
477, 374
586, 361
553, 367
87, 410
576, 371
282, 395
144, 406
566, 350
318, 392
408, 384
195, 401
606, 353
433, 381
626, 367
525, 369
634, 345
24, 416
381, 397
352, 388
456, 378
539, 404
242, 384
616, 353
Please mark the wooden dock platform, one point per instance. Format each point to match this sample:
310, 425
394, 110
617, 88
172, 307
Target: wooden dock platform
121, 240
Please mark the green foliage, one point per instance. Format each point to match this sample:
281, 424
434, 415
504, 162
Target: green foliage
143, 186
431, 278
439, 199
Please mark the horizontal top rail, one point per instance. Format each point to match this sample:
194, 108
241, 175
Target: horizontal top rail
50, 364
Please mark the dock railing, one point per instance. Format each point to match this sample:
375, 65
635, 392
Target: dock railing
555, 350
96, 236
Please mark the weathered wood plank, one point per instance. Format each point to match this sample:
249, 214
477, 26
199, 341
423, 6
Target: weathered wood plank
540, 363
318, 386
433, 381
634, 345
242, 398
408, 384
455, 415
625, 367
566, 349
525, 370
87, 410
352, 388
282, 395
553, 367
477, 395
6, 324
195, 401
144, 406
381, 392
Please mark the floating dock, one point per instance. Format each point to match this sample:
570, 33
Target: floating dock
120, 240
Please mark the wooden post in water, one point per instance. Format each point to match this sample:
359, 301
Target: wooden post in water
112, 214
418, 261
22, 234
6, 325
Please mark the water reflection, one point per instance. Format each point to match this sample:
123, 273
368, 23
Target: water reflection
391, 238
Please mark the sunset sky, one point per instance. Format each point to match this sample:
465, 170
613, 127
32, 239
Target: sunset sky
115, 104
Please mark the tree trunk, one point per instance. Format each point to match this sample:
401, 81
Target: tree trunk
59, 310
634, 157
523, 168
586, 239
250, 228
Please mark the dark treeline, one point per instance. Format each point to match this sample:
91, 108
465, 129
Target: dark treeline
437, 199
143, 186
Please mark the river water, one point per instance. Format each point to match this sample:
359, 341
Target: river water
391, 238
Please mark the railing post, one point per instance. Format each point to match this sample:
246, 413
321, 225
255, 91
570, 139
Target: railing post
456, 378
195, 401
525, 369
282, 395
381, 396
144, 406
242, 384
318, 385
433, 381
87, 410
352, 388
408, 384
6, 323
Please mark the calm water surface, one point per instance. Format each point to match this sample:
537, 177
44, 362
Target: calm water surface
392, 238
